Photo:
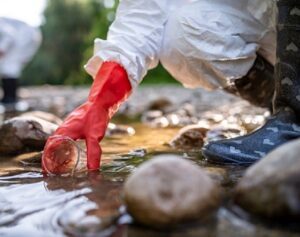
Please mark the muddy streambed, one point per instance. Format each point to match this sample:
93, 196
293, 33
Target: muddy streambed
90, 204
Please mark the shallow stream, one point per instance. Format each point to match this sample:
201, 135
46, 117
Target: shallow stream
90, 204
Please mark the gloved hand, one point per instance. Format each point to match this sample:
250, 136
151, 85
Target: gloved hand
89, 121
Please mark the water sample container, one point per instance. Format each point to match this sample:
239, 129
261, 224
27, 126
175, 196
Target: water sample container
62, 156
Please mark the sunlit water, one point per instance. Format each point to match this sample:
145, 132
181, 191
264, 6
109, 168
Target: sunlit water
90, 204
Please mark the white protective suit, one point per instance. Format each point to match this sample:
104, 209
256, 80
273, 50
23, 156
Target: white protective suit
18, 43
202, 43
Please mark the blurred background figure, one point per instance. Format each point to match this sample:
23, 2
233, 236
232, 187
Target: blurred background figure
18, 44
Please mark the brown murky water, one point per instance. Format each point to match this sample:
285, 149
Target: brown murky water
90, 204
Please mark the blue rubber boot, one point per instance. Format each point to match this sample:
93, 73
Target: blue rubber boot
284, 125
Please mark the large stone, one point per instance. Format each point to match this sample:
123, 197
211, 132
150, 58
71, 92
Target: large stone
20, 133
232, 225
169, 190
271, 188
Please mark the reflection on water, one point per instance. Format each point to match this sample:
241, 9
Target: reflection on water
90, 204
39, 206
87, 204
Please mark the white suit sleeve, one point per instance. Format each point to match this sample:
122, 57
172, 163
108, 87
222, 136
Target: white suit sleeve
135, 37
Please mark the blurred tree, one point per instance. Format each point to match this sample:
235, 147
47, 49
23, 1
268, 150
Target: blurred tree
66, 25
69, 30
104, 12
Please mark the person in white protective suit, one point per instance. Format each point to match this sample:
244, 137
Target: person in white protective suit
201, 43
228, 44
18, 44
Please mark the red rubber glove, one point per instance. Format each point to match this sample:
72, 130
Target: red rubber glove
89, 121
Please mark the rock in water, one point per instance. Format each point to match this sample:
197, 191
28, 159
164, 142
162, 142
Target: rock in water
169, 190
44, 116
190, 137
20, 133
271, 188
220, 132
119, 130
160, 104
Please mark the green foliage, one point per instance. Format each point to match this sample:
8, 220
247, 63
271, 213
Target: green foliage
67, 22
69, 30
158, 76
99, 28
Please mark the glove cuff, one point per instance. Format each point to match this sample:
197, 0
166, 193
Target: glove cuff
110, 88
111, 80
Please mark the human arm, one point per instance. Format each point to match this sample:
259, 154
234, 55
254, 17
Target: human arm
89, 121
133, 44
135, 37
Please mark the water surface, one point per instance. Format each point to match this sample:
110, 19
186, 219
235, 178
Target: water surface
90, 203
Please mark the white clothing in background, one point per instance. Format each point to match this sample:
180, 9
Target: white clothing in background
18, 43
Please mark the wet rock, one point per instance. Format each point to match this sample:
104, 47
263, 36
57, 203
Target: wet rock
155, 118
231, 225
119, 130
44, 116
224, 132
182, 115
160, 104
271, 188
172, 116
251, 122
219, 175
194, 136
141, 152
32, 159
212, 117
20, 133
58, 105
190, 137
161, 122
173, 120
203, 230
149, 116
186, 109
169, 190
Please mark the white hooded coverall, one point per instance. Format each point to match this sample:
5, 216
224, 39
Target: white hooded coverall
202, 43
18, 43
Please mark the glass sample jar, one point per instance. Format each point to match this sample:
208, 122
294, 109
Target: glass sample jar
62, 156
